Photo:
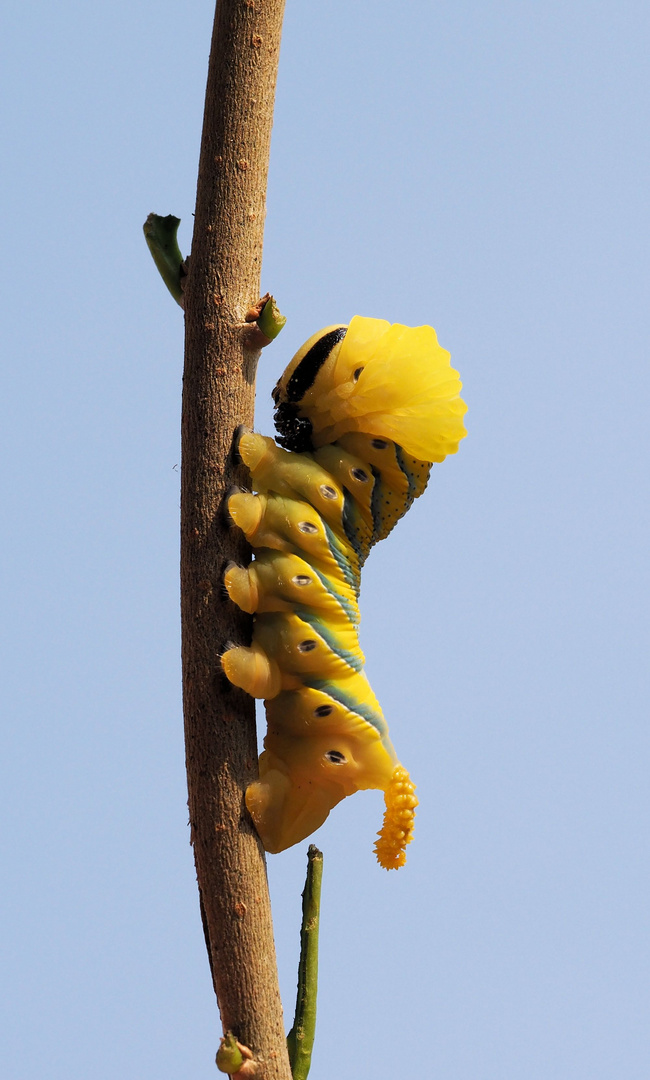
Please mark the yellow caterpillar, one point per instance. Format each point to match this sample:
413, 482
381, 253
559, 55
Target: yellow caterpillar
362, 411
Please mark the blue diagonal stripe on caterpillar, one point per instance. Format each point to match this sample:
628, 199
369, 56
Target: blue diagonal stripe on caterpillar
362, 412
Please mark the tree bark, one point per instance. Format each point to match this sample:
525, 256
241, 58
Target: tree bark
218, 394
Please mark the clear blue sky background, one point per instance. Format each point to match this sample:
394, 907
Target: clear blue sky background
482, 167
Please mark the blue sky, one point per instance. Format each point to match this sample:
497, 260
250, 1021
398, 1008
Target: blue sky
480, 167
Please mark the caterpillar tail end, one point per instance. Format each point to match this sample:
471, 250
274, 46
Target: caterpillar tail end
397, 829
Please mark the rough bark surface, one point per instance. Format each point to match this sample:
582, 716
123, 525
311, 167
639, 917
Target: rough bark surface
218, 394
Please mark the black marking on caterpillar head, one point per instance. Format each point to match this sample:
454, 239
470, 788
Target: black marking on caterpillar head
307, 370
294, 432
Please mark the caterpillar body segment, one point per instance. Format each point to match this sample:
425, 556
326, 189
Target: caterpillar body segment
314, 710
293, 475
359, 488
362, 412
395, 479
279, 581
302, 644
290, 525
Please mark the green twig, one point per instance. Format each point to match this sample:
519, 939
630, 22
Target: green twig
300, 1040
271, 321
160, 234
229, 1057
267, 318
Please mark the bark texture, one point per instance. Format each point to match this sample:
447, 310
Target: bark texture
218, 394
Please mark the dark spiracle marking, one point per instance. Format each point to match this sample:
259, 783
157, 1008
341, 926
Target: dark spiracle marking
324, 710
360, 474
307, 646
301, 579
336, 757
379, 444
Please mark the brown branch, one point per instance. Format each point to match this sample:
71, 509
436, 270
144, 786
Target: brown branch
220, 360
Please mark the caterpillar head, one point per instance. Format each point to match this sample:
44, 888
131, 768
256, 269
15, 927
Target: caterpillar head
319, 352
303, 778
393, 382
